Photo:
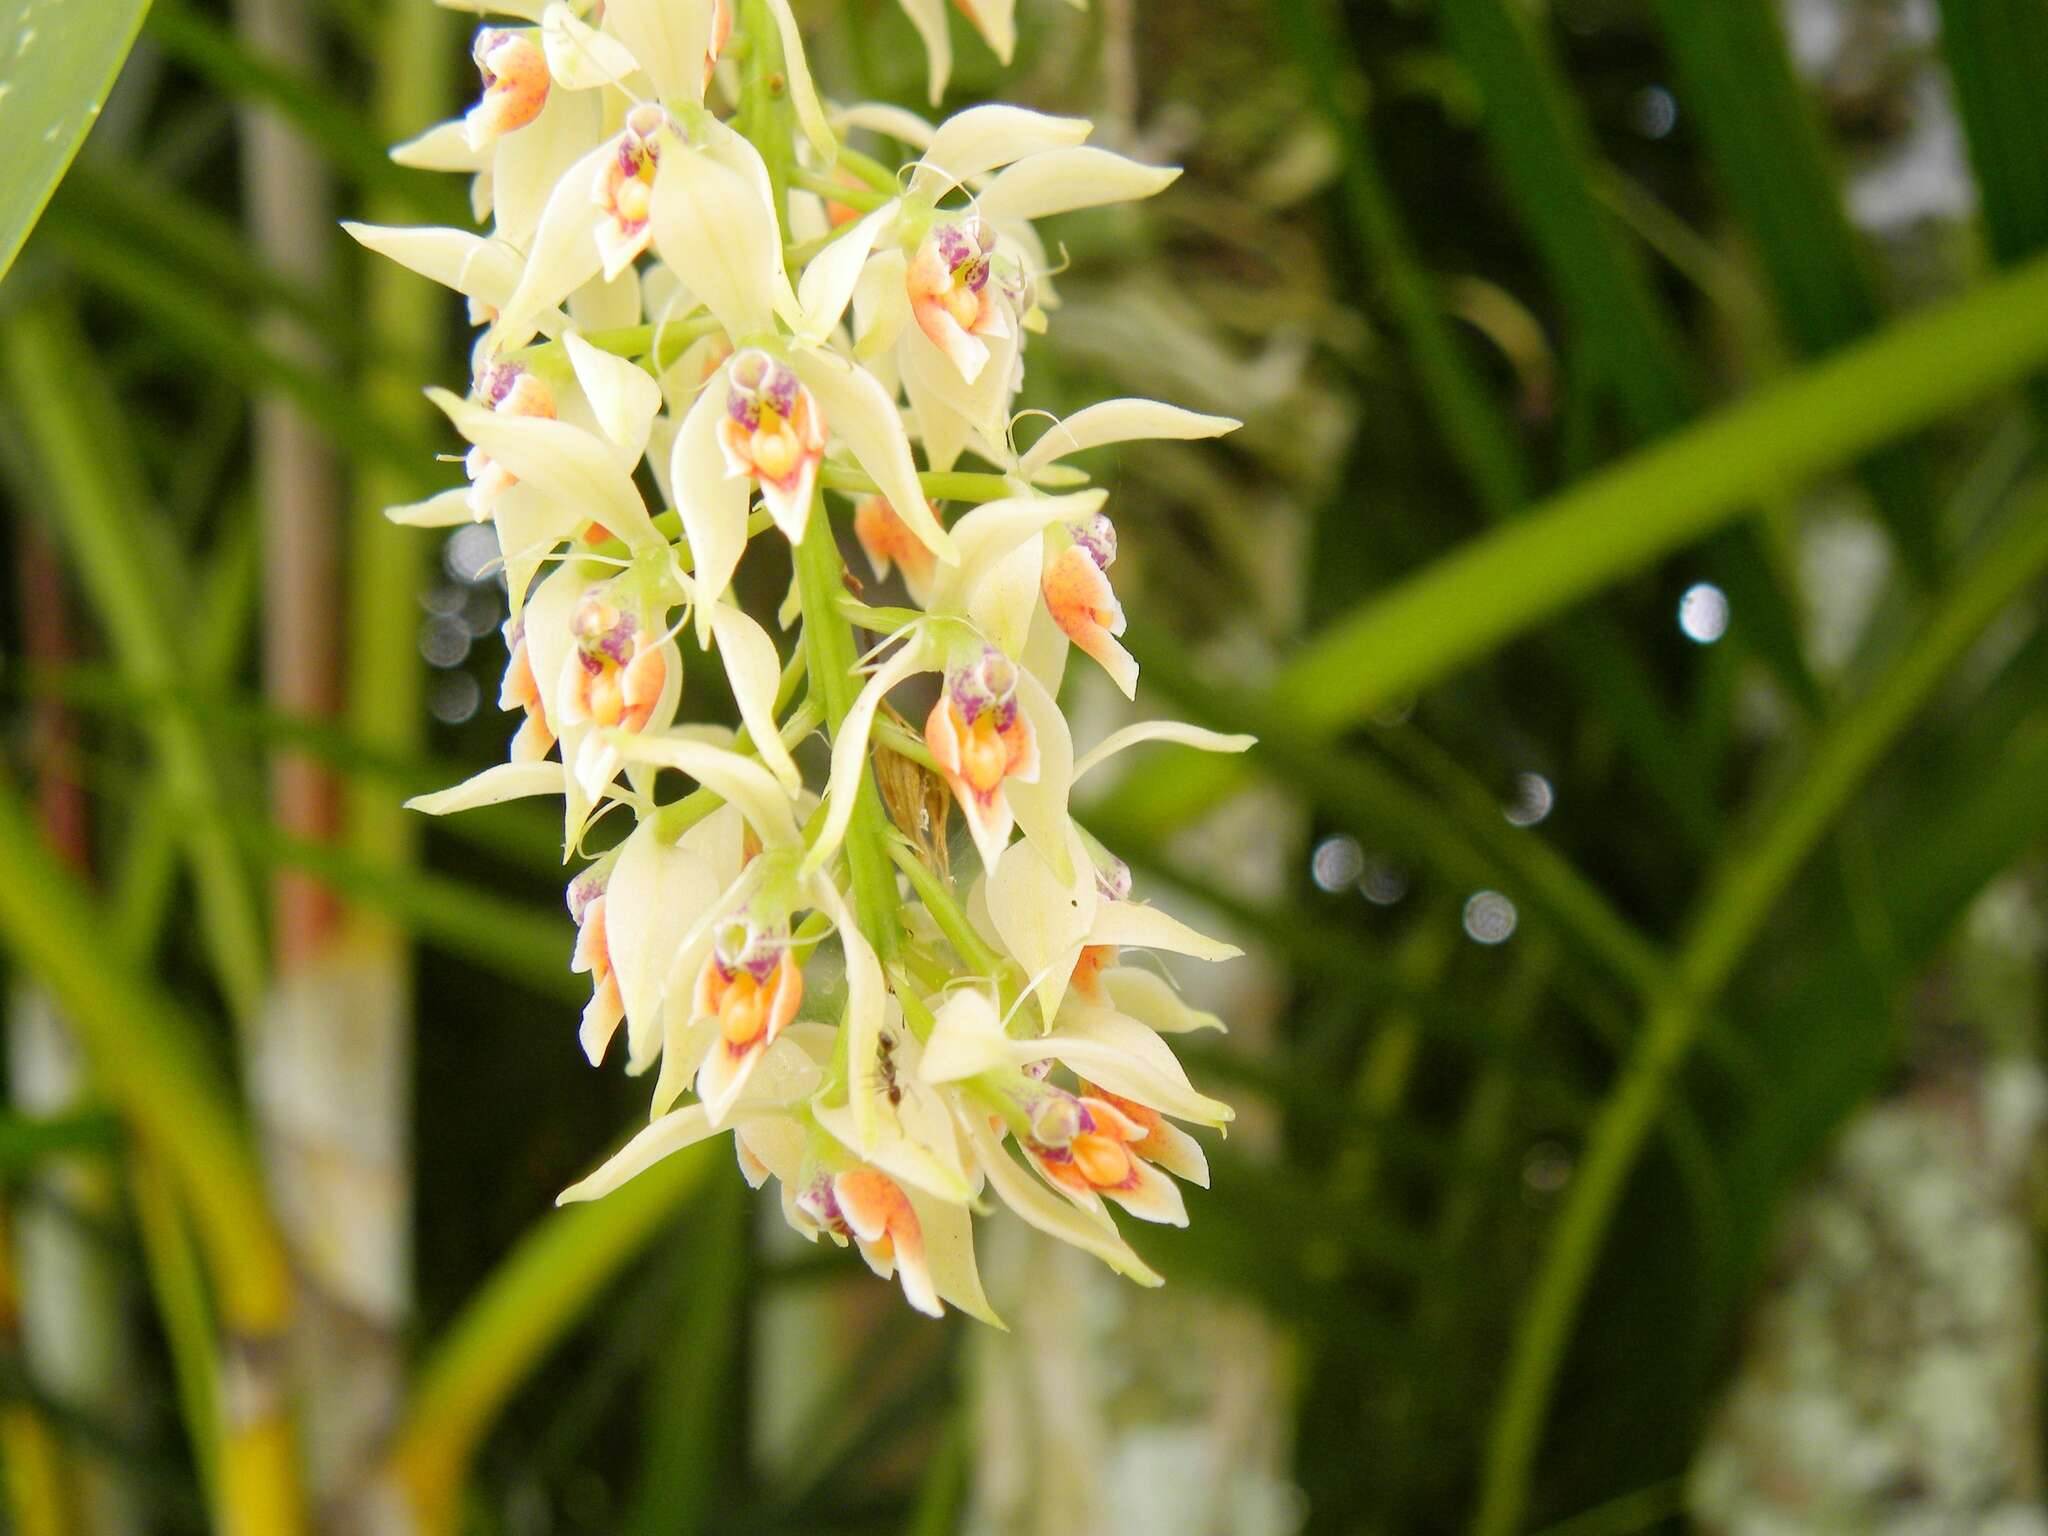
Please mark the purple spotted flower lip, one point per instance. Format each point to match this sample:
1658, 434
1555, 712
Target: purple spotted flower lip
817, 1201
954, 303
759, 381
988, 682
1113, 879
585, 889
1097, 537
604, 632
743, 947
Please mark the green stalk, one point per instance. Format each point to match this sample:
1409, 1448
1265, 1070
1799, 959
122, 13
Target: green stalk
956, 485
828, 640
974, 952
1733, 911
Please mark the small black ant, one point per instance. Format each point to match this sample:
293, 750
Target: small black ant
887, 1054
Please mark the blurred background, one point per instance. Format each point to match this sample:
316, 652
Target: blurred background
1631, 561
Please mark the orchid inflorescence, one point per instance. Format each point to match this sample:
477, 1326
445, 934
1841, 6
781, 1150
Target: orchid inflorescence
690, 267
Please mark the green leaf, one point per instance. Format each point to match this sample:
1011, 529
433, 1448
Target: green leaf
1736, 80
1639, 510
1997, 53
63, 56
1731, 915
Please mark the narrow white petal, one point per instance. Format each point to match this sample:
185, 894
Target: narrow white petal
929, 17
1092, 1232
866, 1002
1064, 179
754, 670
862, 415
563, 462
985, 404
445, 256
580, 57
1003, 600
622, 395
803, 94
1151, 999
881, 307
720, 235
1041, 807
1135, 925
739, 781
1120, 421
967, 1038
1043, 918
674, 1131
655, 894
530, 527
890, 121
1160, 730
601, 305
941, 429
494, 786
712, 501
828, 282
996, 21
1128, 1059
528, 167
564, 254
850, 749
671, 40
443, 147
992, 531
443, 509
972, 143
949, 1253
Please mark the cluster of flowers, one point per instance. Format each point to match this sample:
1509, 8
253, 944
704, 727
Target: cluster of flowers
740, 302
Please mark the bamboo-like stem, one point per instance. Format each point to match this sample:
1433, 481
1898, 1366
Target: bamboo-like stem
70, 422
1729, 917
65, 1297
150, 1059
30, 1457
329, 1055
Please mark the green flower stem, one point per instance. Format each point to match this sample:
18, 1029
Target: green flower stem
956, 486
671, 821
974, 952
884, 621
905, 743
869, 170
766, 117
864, 199
829, 643
1732, 912
660, 342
